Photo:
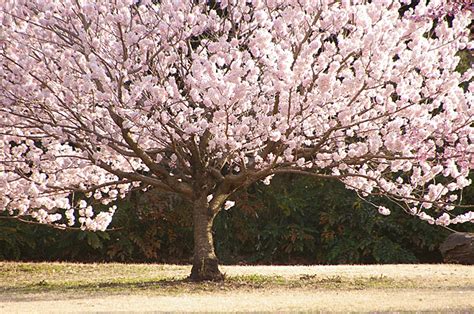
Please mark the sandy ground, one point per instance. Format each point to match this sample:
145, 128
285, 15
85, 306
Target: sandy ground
274, 301
452, 291
402, 271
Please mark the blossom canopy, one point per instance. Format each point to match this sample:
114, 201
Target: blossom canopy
202, 98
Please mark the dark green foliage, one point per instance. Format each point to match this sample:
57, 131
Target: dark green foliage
146, 231
14, 239
296, 220
302, 220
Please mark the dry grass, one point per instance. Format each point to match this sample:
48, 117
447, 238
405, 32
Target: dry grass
50, 287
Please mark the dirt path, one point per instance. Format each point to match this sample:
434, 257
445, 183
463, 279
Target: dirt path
445, 288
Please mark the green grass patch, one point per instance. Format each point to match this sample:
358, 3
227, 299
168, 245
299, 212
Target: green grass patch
18, 279
319, 282
256, 280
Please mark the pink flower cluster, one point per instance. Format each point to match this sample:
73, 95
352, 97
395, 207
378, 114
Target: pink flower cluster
100, 97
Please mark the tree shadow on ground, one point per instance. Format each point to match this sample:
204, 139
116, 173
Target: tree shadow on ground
173, 286
45, 289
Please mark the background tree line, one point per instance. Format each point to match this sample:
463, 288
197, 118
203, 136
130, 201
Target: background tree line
295, 220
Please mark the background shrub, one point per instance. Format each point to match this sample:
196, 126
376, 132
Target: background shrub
295, 220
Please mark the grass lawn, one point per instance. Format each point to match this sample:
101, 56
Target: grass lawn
68, 287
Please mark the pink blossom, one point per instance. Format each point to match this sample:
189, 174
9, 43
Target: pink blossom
119, 97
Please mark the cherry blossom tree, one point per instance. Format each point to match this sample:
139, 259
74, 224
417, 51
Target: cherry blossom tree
200, 98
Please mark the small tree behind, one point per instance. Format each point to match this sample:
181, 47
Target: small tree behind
203, 98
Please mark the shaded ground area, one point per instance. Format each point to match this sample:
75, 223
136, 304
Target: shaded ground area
64, 287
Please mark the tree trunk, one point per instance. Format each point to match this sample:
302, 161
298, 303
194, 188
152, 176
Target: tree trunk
205, 263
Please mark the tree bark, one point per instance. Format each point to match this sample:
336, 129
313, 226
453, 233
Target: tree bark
205, 263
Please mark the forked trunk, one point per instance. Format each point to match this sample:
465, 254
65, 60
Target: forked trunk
205, 263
